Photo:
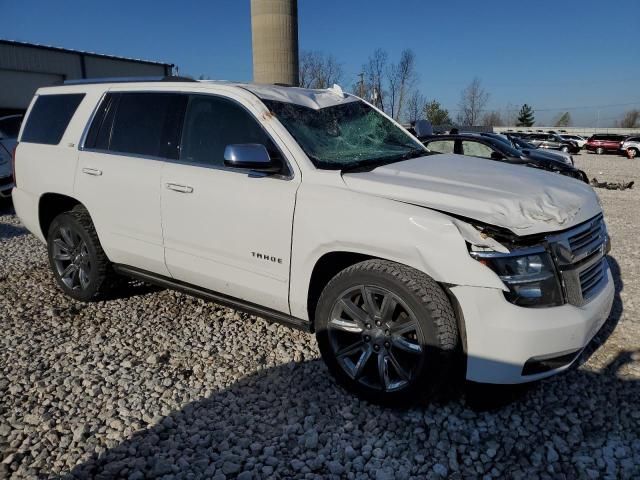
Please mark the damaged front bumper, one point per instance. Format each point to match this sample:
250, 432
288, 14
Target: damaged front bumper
503, 340
513, 342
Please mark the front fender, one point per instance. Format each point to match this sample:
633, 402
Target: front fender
333, 219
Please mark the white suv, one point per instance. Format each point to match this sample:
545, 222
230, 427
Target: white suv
313, 208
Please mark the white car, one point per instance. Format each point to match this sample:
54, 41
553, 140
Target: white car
630, 147
9, 128
576, 138
315, 209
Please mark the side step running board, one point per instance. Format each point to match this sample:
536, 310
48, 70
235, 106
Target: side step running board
235, 303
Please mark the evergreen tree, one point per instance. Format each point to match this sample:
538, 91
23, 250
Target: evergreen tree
525, 117
437, 115
563, 120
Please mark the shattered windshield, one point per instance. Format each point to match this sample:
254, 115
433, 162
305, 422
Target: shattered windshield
347, 135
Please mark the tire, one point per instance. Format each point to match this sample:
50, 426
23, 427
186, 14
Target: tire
399, 355
632, 152
599, 150
79, 265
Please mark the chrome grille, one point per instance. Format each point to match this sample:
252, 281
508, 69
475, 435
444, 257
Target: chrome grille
587, 241
590, 278
579, 255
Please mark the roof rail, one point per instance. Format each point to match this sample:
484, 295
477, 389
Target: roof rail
87, 81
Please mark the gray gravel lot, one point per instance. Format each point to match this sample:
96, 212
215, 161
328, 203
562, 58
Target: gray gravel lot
157, 384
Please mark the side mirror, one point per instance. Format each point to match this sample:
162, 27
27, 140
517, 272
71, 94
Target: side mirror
250, 156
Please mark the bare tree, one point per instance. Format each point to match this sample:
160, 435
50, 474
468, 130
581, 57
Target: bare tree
631, 119
415, 106
492, 119
373, 84
318, 70
401, 77
472, 101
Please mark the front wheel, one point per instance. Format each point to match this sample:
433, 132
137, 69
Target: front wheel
632, 152
387, 332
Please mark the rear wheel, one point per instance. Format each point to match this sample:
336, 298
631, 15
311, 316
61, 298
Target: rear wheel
599, 150
387, 332
632, 152
79, 265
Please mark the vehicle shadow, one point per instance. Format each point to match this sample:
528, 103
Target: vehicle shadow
292, 420
295, 419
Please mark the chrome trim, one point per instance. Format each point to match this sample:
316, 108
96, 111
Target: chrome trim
521, 252
572, 261
87, 127
291, 172
243, 171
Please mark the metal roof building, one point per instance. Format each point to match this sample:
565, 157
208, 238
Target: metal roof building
24, 67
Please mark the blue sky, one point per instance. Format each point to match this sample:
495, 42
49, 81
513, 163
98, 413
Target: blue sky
582, 54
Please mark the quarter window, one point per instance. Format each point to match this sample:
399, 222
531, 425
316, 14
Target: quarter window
212, 123
50, 117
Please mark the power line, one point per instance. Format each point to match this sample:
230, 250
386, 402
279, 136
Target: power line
585, 107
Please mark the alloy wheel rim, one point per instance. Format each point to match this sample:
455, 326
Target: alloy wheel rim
376, 338
71, 258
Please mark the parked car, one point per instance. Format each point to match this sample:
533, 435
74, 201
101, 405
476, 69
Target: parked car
490, 147
630, 147
315, 209
552, 141
580, 140
603, 142
532, 150
9, 129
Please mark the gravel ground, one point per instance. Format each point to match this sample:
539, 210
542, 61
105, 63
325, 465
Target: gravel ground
157, 384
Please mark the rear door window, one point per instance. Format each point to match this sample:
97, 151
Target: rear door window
50, 117
139, 123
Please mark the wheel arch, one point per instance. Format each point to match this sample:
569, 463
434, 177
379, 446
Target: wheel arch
50, 206
332, 263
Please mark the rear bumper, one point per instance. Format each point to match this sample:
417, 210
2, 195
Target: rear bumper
507, 344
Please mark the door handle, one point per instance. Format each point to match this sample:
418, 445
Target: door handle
92, 171
180, 188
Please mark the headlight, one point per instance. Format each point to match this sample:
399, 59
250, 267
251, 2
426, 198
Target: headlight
531, 276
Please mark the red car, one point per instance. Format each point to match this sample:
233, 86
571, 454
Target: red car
601, 143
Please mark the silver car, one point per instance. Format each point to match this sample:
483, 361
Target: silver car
9, 129
630, 147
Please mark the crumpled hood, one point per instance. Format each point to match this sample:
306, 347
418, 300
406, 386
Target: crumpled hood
522, 199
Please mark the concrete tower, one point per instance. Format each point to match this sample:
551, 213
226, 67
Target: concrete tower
274, 32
